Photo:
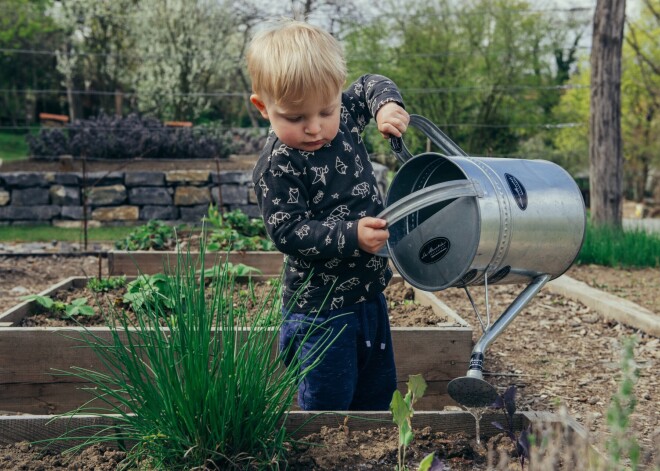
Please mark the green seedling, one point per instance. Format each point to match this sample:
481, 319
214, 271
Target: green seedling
402, 413
79, 307
45, 301
99, 285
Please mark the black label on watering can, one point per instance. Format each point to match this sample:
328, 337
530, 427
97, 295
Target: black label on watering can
518, 191
434, 250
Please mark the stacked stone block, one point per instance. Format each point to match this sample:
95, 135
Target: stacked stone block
181, 196
125, 198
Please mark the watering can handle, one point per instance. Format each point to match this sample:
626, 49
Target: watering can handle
430, 195
426, 197
431, 131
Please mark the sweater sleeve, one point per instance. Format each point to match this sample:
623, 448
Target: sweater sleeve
367, 95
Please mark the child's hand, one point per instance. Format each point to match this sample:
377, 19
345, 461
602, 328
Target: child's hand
372, 234
392, 120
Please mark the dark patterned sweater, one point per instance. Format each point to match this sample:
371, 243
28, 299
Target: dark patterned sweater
311, 203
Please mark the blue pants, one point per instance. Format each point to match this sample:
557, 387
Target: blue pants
356, 371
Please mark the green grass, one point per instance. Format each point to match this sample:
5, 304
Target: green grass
618, 248
13, 146
47, 233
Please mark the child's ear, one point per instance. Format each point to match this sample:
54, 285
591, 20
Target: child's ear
259, 104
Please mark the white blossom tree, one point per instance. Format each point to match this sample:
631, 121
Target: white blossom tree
190, 48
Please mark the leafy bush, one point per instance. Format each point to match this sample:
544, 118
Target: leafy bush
235, 230
155, 235
113, 137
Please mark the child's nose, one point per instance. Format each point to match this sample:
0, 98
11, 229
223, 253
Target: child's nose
313, 127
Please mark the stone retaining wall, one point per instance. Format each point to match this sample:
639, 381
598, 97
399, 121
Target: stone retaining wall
125, 198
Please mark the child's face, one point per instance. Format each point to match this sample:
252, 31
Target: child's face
308, 126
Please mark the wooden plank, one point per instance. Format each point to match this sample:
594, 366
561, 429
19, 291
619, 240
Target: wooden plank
608, 305
300, 423
134, 263
44, 398
439, 354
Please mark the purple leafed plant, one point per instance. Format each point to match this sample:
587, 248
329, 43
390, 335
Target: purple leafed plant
128, 137
507, 403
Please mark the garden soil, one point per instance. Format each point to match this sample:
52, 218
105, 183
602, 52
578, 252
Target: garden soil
558, 353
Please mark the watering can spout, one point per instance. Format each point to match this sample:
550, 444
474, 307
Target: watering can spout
472, 390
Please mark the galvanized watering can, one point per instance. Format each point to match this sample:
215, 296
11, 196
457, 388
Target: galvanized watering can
456, 221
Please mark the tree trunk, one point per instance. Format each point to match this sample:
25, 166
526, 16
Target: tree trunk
605, 146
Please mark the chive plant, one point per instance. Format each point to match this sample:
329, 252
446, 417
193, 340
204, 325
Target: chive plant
192, 385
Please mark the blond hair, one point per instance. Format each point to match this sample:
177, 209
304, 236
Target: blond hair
291, 60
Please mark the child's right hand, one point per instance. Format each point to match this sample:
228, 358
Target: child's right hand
372, 234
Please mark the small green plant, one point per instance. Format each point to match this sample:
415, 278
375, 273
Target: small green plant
155, 235
150, 290
622, 443
77, 307
402, 414
103, 285
236, 231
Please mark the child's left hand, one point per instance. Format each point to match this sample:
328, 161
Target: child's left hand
392, 120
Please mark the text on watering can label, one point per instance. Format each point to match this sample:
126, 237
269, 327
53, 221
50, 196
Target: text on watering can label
434, 250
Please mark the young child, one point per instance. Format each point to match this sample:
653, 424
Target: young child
318, 195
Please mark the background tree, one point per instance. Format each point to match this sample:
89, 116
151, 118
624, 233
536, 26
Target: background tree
97, 56
188, 49
487, 72
605, 145
641, 99
25, 27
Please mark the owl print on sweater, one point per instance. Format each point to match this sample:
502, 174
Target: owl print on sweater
311, 203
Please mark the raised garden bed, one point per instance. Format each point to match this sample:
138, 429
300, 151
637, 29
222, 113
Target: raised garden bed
366, 439
31, 356
133, 263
